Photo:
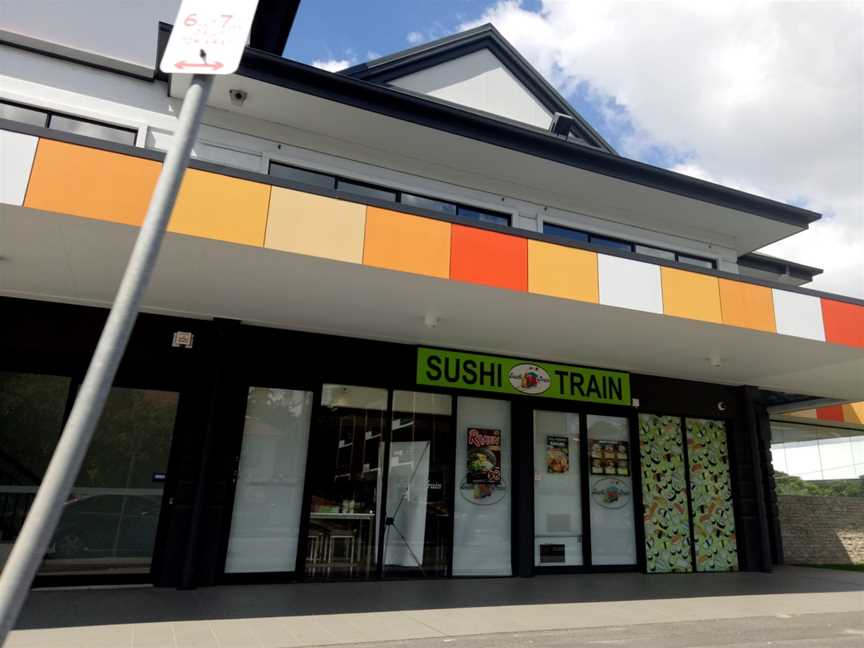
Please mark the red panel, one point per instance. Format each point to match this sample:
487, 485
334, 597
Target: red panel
488, 258
830, 413
844, 323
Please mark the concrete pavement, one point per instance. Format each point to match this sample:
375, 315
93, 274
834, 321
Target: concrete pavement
290, 616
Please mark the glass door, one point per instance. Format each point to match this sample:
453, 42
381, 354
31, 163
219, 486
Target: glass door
110, 520
557, 490
610, 486
418, 522
344, 477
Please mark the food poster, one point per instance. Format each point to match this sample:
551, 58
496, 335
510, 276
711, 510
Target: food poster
484, 456
557, 455
610, 458
664, 495
711, 496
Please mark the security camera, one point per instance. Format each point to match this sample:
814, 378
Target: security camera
237, 96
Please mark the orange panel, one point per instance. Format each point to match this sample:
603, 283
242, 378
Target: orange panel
221, 207
854, 412
690, 295
92, 183
489, 258
408, 243
747, 305
564, 272
844, 323
830, 413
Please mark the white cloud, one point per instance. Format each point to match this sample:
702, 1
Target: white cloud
415, 38
766, 97
332, 65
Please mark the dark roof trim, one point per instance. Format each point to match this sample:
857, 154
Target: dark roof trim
272, 24
455, 46
150, 154
458, 120
775, 265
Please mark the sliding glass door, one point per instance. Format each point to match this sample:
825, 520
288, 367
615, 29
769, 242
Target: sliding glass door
418, 520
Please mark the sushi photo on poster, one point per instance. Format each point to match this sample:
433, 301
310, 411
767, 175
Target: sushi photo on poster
557, 455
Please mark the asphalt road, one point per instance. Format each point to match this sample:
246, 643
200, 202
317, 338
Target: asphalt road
841, 630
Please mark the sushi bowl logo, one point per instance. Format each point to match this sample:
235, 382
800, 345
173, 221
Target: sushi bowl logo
529, 379
611, 493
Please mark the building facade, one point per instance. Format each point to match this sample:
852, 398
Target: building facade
413, 319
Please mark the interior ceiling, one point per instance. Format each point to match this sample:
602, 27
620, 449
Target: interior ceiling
499, 170
50, 256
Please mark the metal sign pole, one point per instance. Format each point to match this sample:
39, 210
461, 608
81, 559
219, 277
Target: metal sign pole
45, 512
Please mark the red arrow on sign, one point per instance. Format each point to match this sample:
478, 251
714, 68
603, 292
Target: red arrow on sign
185, 64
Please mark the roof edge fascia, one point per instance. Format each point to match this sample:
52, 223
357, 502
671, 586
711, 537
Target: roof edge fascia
465, 122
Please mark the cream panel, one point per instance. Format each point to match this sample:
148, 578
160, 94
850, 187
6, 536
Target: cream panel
315, 225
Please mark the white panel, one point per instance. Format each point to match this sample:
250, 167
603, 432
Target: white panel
265, 523
16, 162
629, 284
479, 80
798, 315
481, 534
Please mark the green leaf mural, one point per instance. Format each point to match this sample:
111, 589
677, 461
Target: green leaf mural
664, 494
711, 496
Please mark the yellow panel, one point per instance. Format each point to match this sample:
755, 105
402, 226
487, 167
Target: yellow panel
561, 271
854, 412
89, 182
747, 305
408, 243
690, 295
221, 207
809, 413
315, 225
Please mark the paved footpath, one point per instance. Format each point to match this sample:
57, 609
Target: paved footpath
844, 630
606, 609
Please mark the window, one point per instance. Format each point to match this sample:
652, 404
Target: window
565, 232
92, 129
302, 175
368, 191
485, 216
618, 244
695, 261
23, 115
655, 252
612, 243
428, 203
68, 124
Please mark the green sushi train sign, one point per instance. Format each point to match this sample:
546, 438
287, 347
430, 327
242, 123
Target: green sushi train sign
515, 376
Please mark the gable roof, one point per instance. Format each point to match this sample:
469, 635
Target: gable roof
485, 37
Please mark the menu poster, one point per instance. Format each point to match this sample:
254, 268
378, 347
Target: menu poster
610, 458
484, 456
557, 454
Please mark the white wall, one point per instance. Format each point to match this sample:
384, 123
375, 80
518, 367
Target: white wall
479, 80
120, 34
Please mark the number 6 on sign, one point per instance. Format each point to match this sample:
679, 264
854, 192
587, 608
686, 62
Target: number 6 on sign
208, 36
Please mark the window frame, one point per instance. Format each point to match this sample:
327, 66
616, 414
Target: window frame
51, 108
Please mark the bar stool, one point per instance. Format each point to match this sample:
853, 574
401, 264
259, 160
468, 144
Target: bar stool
349, 542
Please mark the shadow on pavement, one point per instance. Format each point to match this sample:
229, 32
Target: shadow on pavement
86, 607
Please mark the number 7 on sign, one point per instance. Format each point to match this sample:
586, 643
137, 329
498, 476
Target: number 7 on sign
208, 36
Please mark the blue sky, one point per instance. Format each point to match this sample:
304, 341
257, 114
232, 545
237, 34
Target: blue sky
359, 31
